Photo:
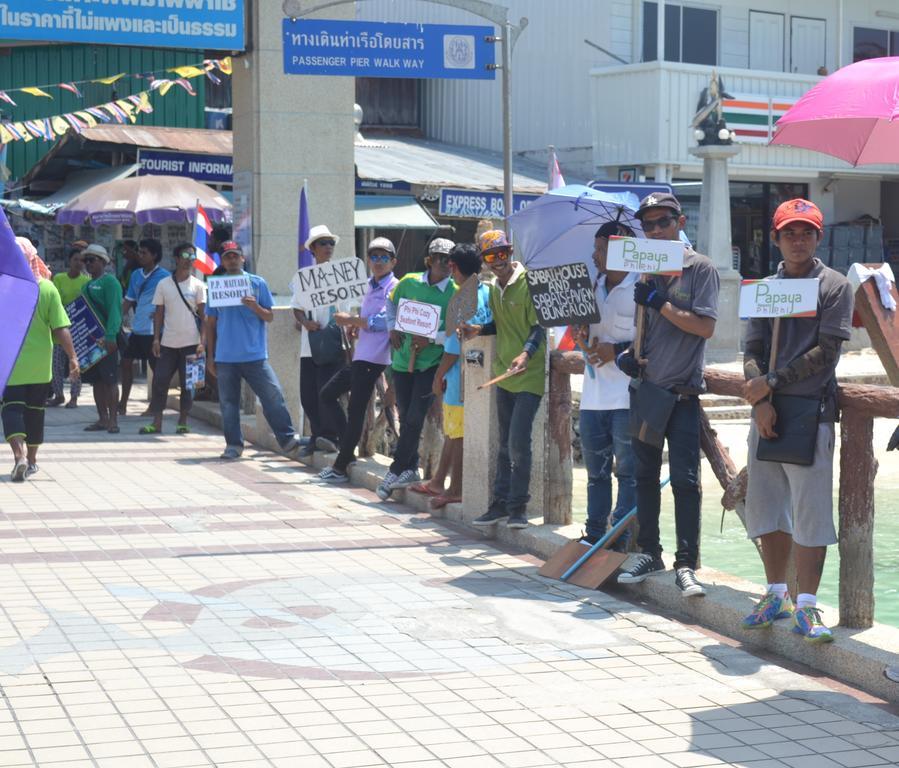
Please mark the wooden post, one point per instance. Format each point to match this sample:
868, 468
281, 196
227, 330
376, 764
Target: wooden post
559, 465
858, 468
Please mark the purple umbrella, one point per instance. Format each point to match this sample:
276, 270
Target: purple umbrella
144, 200
18, 298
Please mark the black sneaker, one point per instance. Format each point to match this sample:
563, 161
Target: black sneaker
686, 580
517, 519
638, 566
493, 515
587, 540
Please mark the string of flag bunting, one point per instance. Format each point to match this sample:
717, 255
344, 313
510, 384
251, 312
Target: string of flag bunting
207, 67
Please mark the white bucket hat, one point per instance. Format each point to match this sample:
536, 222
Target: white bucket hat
318, 232
95, 249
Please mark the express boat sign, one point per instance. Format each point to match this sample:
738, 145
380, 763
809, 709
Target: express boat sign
380, 49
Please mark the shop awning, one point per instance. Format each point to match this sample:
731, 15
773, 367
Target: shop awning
391, 212
76, 183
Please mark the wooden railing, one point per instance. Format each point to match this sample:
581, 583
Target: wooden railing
860, 405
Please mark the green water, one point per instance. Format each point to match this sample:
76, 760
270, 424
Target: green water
730, 551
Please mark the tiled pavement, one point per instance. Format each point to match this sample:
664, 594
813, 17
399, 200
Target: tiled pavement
163, 608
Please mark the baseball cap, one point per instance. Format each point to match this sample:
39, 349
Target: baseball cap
493, 240
658, 200
95, 249
382, 244
440, 245
798, 210
229, 246
78, 245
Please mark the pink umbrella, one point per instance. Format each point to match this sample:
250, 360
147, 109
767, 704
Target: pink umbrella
853, 114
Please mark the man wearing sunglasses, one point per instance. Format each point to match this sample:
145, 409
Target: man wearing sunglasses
680, 317
521, 351
414, 389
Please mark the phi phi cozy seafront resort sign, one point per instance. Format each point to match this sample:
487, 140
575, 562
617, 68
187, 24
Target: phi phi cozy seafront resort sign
418, 318
651, 257
196, 24
384, 49
778, 297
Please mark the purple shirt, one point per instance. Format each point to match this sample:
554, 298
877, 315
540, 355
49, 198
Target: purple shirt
373, 344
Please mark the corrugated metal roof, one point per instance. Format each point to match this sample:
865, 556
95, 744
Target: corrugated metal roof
392, 212
200, 140
432, 163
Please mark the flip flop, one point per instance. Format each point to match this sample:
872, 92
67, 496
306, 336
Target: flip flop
182, 429
439, 502
113, 430
148, 430
425, 489
95, 427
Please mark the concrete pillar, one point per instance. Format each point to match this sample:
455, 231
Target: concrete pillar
288, 128
715, 241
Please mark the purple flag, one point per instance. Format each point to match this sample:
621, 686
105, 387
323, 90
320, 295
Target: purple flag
18, 298
304, 255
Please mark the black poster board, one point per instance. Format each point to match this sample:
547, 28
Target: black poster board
563, 295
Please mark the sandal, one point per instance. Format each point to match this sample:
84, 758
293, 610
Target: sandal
182, 429
96, 427
439, 502
425, 489
150, 429
114, 430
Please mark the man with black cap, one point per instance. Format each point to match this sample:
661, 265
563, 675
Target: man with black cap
681, 311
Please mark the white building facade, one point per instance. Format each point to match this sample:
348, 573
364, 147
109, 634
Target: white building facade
586, 79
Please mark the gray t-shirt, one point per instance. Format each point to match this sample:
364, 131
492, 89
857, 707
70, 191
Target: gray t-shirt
799, 334
675, 359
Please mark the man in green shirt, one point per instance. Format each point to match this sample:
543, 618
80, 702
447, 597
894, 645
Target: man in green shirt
22, 405
414, 361
104, 295
69, 285
520, 352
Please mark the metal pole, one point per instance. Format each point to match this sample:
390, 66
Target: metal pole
507, 122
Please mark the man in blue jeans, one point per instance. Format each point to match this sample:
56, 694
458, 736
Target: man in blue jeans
605, 401
238, 349
681, 311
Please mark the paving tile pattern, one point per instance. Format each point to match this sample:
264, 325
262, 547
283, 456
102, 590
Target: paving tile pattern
161, 608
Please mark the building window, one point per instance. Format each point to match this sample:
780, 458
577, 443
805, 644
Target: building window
389, 103
870, 43
691, 33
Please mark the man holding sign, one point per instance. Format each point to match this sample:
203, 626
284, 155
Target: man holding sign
680, 312
791, 361
416, 314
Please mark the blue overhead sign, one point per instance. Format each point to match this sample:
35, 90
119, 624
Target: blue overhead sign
471, 204
380, 49
208, 169
210, 24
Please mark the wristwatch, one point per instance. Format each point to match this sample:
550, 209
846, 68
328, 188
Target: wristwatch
771, 379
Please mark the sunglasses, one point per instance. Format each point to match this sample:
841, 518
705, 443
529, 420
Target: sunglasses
489, 258
660, 223
332, 243
89, 259
380, 258
187, 255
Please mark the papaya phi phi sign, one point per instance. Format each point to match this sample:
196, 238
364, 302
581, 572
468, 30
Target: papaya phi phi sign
778, 297
653, 257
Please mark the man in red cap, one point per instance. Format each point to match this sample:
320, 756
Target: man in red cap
789, 506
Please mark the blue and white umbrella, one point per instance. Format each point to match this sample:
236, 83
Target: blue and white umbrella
559, 227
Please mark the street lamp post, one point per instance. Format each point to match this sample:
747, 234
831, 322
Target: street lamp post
499, 15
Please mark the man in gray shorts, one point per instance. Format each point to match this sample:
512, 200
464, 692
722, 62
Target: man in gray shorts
789, 507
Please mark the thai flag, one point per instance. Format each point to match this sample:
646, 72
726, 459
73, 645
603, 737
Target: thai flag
206, 262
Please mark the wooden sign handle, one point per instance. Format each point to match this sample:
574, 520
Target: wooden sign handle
501, 377
775, 343
413, 353
641, 322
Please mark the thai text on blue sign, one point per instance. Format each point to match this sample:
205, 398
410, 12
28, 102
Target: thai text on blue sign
471, 204
209, 169
87, 332
381, 49
212, 24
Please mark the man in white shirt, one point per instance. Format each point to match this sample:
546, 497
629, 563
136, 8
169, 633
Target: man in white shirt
605, 400
180, 300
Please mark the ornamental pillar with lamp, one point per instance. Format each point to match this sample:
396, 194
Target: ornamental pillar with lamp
715, 148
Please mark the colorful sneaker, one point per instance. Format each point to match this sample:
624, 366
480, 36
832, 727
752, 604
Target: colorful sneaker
385, 488
687, 583
638, 566
768, 610
808, 624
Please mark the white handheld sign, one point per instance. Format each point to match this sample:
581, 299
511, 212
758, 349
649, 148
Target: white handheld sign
227, 290
328, 284
654, 257
776, 297
418, 318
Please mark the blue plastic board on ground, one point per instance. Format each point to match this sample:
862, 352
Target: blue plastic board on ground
382, 49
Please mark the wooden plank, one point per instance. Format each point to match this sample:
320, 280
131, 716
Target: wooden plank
881, 324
